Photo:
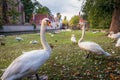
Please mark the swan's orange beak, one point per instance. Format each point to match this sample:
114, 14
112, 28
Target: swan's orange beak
49, 23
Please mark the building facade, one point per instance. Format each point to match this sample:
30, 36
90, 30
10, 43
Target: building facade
37, 18
13, 12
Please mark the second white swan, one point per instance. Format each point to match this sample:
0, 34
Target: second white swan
91, 46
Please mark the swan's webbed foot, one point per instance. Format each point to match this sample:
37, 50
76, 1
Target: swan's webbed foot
87, 55
33, 77
41, 77
37, 77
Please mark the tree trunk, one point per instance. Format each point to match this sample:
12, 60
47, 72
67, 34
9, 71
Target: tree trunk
4, 11
115, 24
1, 14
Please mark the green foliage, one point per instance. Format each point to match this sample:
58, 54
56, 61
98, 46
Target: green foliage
36, 4
99, 12
28, 8
33, 7
65, 21
43, 10
74, 21
39, 9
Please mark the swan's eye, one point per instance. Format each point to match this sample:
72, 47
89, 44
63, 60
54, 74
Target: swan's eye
48, 23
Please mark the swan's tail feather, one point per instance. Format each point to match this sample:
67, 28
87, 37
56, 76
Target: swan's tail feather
117, 45
107, 54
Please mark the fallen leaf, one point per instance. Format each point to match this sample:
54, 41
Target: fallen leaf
112, 77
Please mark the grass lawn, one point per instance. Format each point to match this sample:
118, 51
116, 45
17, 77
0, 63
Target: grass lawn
67, 61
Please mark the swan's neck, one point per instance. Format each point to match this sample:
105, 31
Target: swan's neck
83, 33
43, 39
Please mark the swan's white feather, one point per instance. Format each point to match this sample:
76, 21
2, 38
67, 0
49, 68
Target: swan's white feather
118, 43
28, 62
73, 39
91, 46
19, 38
112, 35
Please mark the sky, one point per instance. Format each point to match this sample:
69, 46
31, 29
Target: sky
67, 8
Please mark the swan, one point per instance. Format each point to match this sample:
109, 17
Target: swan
91, 46
29, 62
52, 35
118, 43
19, 38
73, 38
33, 42
2, 40
2, 37
112, 35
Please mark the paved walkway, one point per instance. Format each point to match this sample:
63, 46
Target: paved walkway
14, 28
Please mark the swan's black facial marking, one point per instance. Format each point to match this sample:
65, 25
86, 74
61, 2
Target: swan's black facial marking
46, 22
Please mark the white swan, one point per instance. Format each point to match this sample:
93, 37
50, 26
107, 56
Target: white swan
91, 46
2, 40
118, 43
19, 38
52, 35
112, 35
33, 42
2, 37
29, 62
73, 38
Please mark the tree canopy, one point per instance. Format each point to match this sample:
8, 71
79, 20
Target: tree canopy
43, 10
58, 15
34, 7
39, 9
28, 8
98, 12
74, 21
65, 21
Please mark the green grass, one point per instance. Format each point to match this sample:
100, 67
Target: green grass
67, 61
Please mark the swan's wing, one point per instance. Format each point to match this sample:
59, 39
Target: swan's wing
17, 68
90, 46
95, 47
26, 63
14, 68
118, 43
